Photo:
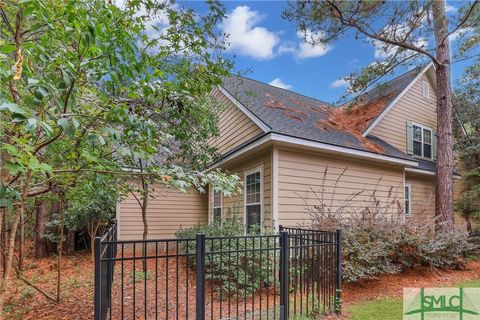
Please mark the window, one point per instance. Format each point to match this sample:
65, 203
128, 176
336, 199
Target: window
408, 199
253, 198
217, 206
422, 141
426, 90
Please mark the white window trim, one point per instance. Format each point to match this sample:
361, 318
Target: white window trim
246, 173
414, 124
216, 207
425, 82
409, 213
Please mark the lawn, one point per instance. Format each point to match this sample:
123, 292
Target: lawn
389, 308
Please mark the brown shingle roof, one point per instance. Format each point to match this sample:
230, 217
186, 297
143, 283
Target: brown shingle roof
293, 114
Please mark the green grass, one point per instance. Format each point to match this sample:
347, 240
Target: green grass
389, 308
380, 309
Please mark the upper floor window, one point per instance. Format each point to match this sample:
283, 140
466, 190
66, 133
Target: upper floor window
217, 206
253, 197
426, 89
421, 141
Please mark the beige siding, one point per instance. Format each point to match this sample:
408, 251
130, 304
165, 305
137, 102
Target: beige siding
235, 128
168, 211
236, 203
392, 128
423, 196
302, 183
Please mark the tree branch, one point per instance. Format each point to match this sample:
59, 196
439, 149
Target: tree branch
462, 21
7, 22
378, 37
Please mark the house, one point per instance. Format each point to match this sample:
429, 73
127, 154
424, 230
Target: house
291, 151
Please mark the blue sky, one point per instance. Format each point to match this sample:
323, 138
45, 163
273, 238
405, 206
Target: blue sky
269, 48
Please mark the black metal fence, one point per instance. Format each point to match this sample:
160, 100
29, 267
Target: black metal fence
295, 274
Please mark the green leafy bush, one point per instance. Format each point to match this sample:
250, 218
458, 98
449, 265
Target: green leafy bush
235, 264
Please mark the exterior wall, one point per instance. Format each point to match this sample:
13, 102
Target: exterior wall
235, 203
412, 106
302, 182
234, 126
168, 211
423, 196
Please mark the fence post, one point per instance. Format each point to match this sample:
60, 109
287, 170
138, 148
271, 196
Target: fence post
284, 273
338, 296
97, 279
200, 294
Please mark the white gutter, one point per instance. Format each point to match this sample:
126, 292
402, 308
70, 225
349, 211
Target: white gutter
427, 172
275, 137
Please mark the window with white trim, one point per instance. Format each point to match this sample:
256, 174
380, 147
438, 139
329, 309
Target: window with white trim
217, 206
408, 199
426, 89
422, 141
253, 198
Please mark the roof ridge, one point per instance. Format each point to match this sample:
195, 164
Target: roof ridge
287, 90
420, 67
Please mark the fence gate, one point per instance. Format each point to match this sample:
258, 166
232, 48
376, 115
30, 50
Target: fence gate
295, 274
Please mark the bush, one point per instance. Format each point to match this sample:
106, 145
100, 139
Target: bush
242, 270
377, 240
376, 244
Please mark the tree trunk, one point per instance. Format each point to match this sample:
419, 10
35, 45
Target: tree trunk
59, 250
144, 211
54, 215
468, 220
4, 282
4, 239
444, 178
40, 240
21, 251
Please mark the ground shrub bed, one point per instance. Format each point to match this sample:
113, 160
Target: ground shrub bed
374, 245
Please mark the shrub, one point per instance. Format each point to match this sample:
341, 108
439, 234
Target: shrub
234, 266
378, 240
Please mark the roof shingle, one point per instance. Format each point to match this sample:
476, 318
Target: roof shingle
293, 114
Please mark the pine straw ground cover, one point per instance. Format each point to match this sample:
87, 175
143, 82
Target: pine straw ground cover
77, 288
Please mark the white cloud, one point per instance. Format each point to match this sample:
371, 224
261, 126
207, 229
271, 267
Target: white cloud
247, 39
307, 49
450, 9
339, 83
153, 20
277, 82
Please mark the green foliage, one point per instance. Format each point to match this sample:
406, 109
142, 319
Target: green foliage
90, 86
92, 202
466, 100
234, 266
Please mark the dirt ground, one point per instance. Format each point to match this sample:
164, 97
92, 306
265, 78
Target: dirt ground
25, 302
